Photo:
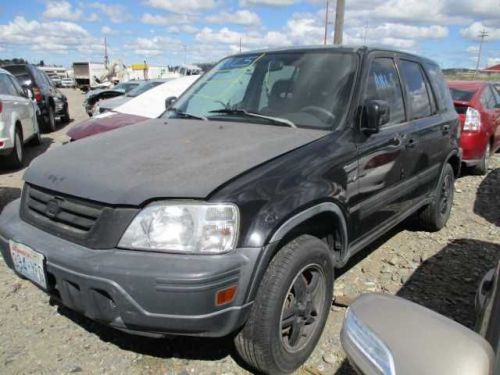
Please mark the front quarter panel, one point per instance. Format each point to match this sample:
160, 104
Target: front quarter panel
270, 194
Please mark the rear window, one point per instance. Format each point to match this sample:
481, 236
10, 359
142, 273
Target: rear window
143, 88
462, 95
416, 87
441, 90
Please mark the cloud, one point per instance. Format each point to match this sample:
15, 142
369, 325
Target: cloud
154, 46
184, 7
106, 30
277, 3
171, 19
473, 31
116, 13
240, 17
62, 10
54, 36
188, 29
93, 17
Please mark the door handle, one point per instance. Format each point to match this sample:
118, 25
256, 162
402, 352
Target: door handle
446, 129
411, 143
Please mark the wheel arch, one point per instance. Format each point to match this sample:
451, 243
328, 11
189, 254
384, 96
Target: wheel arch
453, 159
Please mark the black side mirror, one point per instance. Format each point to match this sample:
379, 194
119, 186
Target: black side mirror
375, 114
169, 102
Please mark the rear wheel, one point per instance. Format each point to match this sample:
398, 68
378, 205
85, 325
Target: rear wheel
482, 168
291, 308
436, 214
65, 117
15, 159
50, 121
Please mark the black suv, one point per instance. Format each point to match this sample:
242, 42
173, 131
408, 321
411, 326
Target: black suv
230, 213
50, 100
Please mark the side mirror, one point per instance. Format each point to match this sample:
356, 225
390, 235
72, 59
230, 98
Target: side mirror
388, 335
28, 93
169, 102
375, 114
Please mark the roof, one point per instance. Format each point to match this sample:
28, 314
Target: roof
494, 68
342, 48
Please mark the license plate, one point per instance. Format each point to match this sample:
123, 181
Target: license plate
28, 263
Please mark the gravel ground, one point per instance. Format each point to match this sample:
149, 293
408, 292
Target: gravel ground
439, 270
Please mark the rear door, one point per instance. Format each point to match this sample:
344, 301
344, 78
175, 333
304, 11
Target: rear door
427, 139
26, 110
491, 103
381, 155
7, 98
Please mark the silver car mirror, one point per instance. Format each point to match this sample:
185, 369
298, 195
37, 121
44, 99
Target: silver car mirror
388, 335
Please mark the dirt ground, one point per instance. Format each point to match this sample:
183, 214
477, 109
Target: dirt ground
439, 270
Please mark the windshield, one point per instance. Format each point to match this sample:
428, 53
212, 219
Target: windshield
462, 95
303, 89
125, 86
143, 88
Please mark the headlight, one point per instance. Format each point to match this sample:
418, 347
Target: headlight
197, 228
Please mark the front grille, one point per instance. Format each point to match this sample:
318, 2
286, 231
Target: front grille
88, 223
69, 213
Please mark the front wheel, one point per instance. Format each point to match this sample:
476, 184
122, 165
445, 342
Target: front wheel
436, 214
291, 308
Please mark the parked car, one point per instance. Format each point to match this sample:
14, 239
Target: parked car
68, 83
110, 104
56, 80
18, 121
384, 334
51, 102
94, 96
478, 105
229, 213
146, 106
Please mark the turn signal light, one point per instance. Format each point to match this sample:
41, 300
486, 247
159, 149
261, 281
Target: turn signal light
225, 296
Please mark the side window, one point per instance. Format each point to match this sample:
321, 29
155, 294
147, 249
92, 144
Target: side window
417, 91
383, 84
487, 99
438, 81
17, 86
496, 95
6, 86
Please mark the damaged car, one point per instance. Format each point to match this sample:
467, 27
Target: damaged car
230, 213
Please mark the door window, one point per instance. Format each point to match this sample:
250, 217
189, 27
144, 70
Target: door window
6, 86
17, 86
487, 99
418, 96
441, 89
383, 84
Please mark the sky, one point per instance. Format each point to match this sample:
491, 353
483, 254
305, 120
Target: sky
172, 32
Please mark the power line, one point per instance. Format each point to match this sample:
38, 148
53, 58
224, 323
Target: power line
482, 34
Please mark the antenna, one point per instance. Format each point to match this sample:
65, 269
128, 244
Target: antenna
482, 34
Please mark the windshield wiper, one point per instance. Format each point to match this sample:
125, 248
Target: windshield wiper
234, 111
177, 111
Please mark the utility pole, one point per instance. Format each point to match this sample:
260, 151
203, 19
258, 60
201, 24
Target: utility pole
339, 22
482, 34
106, 57
240, 44
326, 23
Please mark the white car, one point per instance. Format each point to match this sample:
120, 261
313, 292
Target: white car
68, 83
18, 121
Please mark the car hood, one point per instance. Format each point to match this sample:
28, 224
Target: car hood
102, 123
178, 159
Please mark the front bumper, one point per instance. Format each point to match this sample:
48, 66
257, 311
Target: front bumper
141, 292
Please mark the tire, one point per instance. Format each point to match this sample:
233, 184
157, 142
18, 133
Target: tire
15, 159
50, 123
482, 168
37, 138
272, 342
65, 117
436, 214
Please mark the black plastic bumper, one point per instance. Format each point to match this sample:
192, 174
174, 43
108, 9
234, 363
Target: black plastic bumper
138, 291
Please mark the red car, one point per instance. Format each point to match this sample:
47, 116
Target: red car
478, 105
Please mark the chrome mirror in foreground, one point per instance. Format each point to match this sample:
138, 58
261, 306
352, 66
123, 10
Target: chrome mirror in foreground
387, 335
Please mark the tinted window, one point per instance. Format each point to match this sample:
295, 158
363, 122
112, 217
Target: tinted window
487, 99
6, 86
383, 84
496, 93
417, 91
462, 95
16, 85
441, 90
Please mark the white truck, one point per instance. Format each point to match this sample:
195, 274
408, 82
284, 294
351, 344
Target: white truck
87, 74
